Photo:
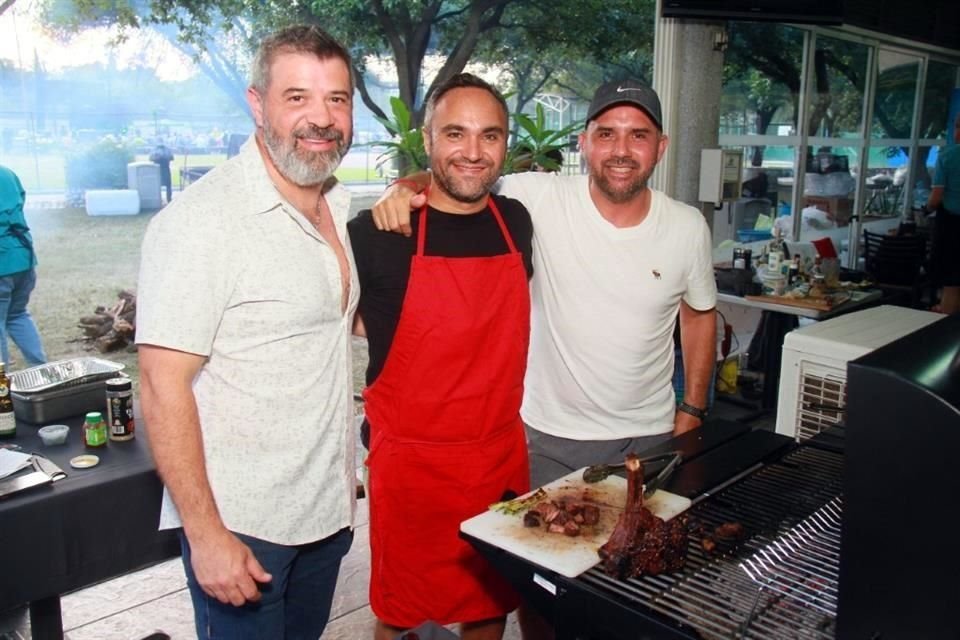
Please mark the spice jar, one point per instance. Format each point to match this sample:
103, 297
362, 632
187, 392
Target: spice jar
120, 409
94, 430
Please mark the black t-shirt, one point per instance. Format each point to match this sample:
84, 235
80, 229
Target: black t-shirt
383, 261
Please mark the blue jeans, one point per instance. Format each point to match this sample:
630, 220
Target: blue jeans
295, 605
15, 290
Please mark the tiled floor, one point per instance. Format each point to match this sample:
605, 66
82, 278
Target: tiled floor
156, 599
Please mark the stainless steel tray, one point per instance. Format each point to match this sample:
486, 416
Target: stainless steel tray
62, 374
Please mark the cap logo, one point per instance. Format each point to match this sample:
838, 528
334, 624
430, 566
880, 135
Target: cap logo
622, 89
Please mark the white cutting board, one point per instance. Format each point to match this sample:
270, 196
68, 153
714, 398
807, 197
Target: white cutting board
566, 555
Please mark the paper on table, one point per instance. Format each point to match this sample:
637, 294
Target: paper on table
12, 461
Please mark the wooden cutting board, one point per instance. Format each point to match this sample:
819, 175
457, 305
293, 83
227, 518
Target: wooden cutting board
819, 304
566, 555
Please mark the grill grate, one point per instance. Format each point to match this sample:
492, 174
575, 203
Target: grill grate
803, 563
712, 594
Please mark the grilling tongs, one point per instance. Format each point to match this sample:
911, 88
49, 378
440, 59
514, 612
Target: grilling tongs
598, 472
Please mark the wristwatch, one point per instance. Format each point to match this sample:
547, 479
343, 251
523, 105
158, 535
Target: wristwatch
696, 412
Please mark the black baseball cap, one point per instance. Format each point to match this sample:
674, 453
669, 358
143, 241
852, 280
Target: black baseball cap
626, 92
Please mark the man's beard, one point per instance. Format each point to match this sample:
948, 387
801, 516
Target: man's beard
620, 194
304, 168
463, 190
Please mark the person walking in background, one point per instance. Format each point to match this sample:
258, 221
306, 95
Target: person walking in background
18, 274
248, 397
163, 156
945, 200
447, 318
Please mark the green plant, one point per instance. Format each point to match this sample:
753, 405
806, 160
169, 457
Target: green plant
537, 145
405, 151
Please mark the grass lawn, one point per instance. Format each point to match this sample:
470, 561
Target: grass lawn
84, 261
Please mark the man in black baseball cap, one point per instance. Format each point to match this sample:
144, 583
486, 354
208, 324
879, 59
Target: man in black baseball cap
626, 92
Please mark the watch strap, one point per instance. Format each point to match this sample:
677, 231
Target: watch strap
696, 412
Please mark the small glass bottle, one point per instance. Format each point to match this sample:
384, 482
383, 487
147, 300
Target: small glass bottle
793, 275
8, 421
818, 281
94, 430
817, 269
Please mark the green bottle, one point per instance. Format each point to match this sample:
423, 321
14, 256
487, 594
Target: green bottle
94, 430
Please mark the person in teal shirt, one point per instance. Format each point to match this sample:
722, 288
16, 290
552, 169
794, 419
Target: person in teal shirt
18, 275
945, 200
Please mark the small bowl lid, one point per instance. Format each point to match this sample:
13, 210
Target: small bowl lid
85, 461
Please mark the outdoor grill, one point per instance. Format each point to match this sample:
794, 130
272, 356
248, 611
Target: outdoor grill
779, 582
841, 529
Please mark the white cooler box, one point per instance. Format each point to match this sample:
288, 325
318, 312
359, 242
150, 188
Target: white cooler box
112, 202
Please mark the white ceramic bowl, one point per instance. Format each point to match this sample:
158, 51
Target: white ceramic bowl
54, 433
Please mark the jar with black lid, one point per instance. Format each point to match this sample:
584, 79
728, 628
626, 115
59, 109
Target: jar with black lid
120, 409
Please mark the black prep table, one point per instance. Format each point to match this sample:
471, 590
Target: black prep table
714, 455
95, 524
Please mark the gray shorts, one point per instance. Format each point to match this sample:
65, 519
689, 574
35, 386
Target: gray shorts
552, 457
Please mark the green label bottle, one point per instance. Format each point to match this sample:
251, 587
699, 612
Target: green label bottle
94, 430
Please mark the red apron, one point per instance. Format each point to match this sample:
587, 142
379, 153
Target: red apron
446, 435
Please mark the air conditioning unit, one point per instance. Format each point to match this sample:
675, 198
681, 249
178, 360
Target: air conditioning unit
813, 373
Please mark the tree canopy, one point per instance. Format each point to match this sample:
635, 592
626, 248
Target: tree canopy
535, 42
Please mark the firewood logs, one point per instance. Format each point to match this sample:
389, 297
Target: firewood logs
112, 328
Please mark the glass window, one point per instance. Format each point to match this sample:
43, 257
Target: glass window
766, 193
836, 95
761, 81
885, 175
941, 80
895, 94
828, 186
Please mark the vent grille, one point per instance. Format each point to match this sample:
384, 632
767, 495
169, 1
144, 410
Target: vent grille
822, 399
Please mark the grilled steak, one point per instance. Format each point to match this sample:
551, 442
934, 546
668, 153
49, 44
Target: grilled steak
642, 543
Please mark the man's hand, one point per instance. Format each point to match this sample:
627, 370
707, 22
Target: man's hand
392, 211
226, 569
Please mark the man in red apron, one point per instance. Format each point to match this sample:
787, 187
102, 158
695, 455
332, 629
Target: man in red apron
446, 314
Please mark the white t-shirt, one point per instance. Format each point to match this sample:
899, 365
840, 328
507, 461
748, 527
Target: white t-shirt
604, 305
232, 271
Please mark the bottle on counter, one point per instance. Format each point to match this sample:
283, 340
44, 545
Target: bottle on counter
120, 409
793, 273
817, 269
8, 421
777, 258
94, 430
818, 280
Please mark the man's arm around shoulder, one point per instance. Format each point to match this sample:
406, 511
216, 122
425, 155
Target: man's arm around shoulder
225, 567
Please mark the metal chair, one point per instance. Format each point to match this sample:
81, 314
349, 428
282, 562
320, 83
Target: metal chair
896, 264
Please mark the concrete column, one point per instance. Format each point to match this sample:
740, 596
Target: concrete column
688, 76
